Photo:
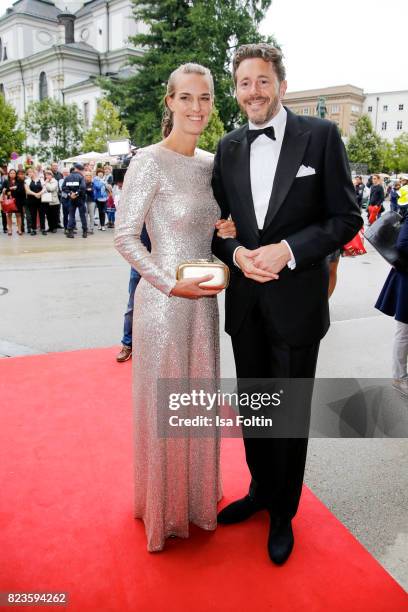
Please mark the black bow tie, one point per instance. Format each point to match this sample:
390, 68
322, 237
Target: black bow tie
253, 134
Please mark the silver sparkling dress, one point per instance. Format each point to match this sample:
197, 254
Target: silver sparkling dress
177, 479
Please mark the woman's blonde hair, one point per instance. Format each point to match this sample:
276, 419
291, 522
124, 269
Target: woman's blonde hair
189, 68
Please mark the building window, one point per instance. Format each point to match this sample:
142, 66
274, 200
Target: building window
43, 86
355, 109
385, 108
1, 89
399, 125
335, 108
370, 109
5, 56
1, 49
384, 125
86, 114
305, 111
400, 107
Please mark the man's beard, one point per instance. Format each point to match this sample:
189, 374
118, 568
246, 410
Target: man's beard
269, 113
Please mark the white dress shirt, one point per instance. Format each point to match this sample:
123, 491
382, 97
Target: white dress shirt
263, 161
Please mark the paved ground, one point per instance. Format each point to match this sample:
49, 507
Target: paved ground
58, 294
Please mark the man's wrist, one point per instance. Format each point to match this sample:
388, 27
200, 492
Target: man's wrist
234, 256
291, 263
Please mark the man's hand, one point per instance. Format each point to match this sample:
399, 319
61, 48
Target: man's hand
250, 269
271, 258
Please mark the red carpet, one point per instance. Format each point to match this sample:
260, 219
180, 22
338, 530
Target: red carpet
66, 513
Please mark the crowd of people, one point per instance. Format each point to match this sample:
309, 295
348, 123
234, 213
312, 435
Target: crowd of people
47, 199
372, 195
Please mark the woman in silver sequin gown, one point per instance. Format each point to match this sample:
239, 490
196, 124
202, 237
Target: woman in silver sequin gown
177, 479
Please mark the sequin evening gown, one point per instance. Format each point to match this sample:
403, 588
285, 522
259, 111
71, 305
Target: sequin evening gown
177, 479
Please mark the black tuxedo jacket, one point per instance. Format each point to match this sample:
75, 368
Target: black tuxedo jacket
316, 214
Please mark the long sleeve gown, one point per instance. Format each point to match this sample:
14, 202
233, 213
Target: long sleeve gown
177, 479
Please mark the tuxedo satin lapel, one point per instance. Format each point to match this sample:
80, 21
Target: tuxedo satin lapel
240, 151
291, 156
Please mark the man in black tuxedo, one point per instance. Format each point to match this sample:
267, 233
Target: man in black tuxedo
286, 183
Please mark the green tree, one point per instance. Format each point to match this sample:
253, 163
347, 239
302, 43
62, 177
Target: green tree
365, 146
212, 134
396, 154
56, 128
179, 31
106, 125
11, 136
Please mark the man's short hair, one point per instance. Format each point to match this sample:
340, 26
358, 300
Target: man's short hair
264, 51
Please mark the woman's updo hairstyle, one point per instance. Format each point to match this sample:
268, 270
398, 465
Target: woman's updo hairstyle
190, 68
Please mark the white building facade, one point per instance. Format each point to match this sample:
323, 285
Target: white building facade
388, 112
47, 52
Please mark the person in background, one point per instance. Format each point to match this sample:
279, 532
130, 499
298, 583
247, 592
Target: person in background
403, 198
359, 189
33, 189
55, 171
58, 176
50, 200
40, 172
126, 350
377, 196
14, 188
394, 197
90, 201
74, 186
3, 214
26, 210
22, 201
28, 162
101, 195
64, 200
110, 210
393, 301
108, 176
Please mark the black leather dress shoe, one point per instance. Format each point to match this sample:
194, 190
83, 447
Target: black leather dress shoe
239, 510
280, 541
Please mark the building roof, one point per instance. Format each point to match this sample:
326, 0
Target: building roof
85, 83
387, 93
46, 9
43, 9
89, 7
81, 46
335, 90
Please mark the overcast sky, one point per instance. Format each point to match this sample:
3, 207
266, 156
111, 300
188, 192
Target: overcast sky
335, 42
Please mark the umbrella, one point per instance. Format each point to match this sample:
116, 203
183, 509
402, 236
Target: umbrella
91, 156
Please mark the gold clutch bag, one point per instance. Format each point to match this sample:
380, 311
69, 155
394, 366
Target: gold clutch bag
202, 267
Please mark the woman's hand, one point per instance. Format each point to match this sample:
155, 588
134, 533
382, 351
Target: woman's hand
190, 288
226, 228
